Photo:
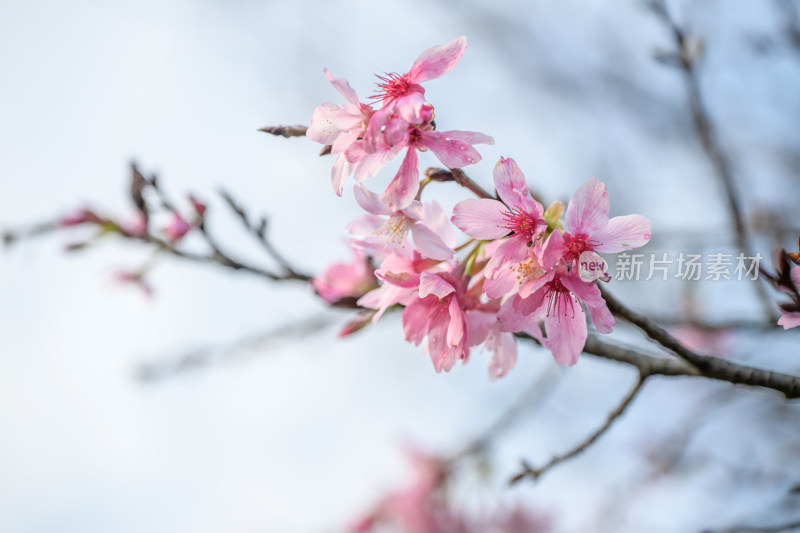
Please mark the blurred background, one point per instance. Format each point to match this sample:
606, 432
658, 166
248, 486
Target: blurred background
304, 433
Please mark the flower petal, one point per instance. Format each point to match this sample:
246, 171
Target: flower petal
369, 201
341, 85
789, 320
341, 170
587, 211
372, 162
471, 137
322, 129
458, 325
437, 61
481, 218
622, 233
403, 188
514, 250
452, 152
504, 355
429, 244
602, 318
512, 188
396, 131
430, 283
566, 334
372, 135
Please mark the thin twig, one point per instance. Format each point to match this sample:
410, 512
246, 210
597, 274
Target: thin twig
685, 58
457, 175
259, 232
203, 357
286, 131
536, 473
527, 403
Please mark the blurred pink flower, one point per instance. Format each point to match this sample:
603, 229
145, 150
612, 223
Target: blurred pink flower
177, 228
350, 279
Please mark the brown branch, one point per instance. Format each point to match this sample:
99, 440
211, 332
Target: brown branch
711, 367
260, 233
286, 131
457, 175
685, 58
536, 473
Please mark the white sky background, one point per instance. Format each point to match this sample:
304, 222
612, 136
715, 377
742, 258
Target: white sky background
303, 438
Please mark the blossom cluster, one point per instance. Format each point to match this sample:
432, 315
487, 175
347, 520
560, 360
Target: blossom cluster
422, 506
518, 270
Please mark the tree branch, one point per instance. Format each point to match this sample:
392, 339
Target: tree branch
707, 366
285, 131
685, 58
536, 473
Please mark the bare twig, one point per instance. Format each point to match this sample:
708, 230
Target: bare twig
536, 473
457, 175
685, 58
286, 131
259, 232
200, 358
527, 403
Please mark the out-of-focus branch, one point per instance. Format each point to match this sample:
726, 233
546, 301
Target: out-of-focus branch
536, 473
757, 529
685, 57
527, 403
204, 357
259, 231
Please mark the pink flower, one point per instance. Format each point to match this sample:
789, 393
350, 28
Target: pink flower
418, 506
136, 226
791, 320
518, 215
558, 294
199, 207
453, 148
340, 127
436, 312
346, 279
589, 228
486, 329
177, 228
400, 275
387, 230
403, 95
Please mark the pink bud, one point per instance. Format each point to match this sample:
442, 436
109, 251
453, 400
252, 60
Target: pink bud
177, 228
199, 207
